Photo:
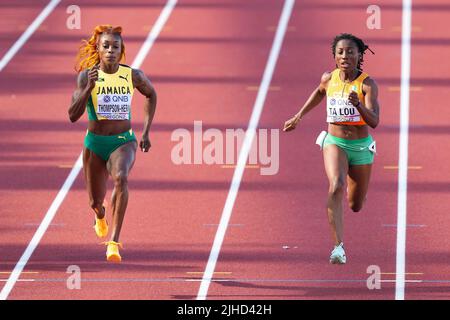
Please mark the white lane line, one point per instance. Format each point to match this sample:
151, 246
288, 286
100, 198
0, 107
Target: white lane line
13, 278
156, 30
246, 145
28, 33
77, 167
403, 151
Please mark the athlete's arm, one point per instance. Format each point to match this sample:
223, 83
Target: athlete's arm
314, 99
144, 86
371, 111
85, 84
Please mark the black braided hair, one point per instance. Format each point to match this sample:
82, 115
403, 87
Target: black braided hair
362, 47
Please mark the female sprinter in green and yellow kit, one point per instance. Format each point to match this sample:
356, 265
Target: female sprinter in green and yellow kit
348, 148
105, 90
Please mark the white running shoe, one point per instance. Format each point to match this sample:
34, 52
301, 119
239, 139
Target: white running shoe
338, 255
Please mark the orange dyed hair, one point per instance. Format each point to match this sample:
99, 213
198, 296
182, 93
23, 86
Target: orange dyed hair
87, 54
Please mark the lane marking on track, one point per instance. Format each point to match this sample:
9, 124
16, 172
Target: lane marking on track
23, 27
410, 273
408, 225
41, 230
65, 166
35, 224
28, 33
412, 89
232, 166
139, 59
218, 280
256, 88
215, 272
25, 272
149, 27
156, 30
245, 149
403, 151
413, 29
288, 29
216, 224
409, 167
406, 281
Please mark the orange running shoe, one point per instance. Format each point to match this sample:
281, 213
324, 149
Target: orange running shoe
112, 251
101, 226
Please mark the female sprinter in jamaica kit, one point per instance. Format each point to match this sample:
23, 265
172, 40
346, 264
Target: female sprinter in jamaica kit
105, 90
348, 148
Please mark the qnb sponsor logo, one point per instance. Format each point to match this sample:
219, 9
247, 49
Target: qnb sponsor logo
114, 98
214, 146
343, 102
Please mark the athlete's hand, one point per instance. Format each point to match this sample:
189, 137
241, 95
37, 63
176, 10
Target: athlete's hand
93, 76
145, 144
353, 98
291, 123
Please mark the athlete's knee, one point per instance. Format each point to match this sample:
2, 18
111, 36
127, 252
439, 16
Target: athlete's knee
120, 179
336, 186
356, 206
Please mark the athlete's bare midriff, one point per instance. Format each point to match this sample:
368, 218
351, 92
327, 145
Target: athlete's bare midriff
348, 131
109, 127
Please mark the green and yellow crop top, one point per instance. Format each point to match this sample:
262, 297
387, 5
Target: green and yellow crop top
111, 97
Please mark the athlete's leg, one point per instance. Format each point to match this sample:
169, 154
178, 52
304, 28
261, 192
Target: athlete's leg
358, 183
96, 175
336, 167
119, 165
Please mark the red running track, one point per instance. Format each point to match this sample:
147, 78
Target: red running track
205, 66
